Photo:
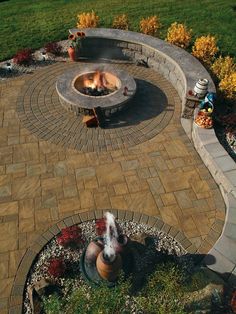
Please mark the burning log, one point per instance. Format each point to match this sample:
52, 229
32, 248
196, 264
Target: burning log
96, 84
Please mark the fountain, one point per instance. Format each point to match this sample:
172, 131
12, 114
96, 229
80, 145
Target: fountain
106, 256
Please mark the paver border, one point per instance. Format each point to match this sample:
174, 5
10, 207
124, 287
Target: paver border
17, 292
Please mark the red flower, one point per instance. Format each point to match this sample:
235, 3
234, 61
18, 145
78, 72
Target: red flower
23, 57
71, 37
53, 47
70, 236
56, 267
100, 226
79, 34
82, 34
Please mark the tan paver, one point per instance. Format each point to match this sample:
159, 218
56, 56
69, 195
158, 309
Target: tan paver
41, 182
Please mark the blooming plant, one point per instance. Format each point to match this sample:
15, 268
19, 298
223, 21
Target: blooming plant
76, 39
53, 47
179, 35
100, 226
89, 19
23, 57
70, 236
56, 267
205, 48
150, 25
223, 66
228, 85
121, 22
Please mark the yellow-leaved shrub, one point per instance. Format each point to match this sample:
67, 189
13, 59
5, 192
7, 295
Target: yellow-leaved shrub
228, 85
223, 66
205, 48
121, 22
179, 35
89, 19
150, 25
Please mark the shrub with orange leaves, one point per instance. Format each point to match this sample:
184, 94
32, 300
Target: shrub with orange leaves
179, 35
150, 25
121, 22
89, 19
228, 85
223, 66
205, 48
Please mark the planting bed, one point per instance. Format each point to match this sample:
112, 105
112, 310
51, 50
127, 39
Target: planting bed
156, 246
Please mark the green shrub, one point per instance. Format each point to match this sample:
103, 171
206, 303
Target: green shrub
101, 299
52, 304
163, 292
168, 290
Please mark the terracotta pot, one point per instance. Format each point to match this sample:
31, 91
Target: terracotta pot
108, 270
92, 251
73, 53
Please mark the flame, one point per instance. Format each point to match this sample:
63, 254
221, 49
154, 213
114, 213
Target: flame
97, 80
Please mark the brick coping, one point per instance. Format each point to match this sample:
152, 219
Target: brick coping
16, 297
223, 170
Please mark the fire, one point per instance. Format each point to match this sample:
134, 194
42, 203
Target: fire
96, 80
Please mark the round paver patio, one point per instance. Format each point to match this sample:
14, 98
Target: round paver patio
156, 172
147, 114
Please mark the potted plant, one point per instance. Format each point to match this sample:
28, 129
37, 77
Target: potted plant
76, 40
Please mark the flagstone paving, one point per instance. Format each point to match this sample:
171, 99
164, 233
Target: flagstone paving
41, 182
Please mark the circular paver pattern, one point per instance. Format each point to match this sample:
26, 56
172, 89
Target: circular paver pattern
41, 112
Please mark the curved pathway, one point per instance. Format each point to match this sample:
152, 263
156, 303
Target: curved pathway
42, 182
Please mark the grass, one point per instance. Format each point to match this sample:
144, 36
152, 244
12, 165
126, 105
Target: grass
169, 289
31, 24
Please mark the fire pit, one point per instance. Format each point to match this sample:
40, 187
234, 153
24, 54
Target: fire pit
97, 83
82, 89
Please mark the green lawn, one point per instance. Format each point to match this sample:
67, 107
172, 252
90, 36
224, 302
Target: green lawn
32, 23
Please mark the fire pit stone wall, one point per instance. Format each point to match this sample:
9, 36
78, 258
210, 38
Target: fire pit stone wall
79, 103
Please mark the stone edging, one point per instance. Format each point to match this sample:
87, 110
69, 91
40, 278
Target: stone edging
16, 298
223, 169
